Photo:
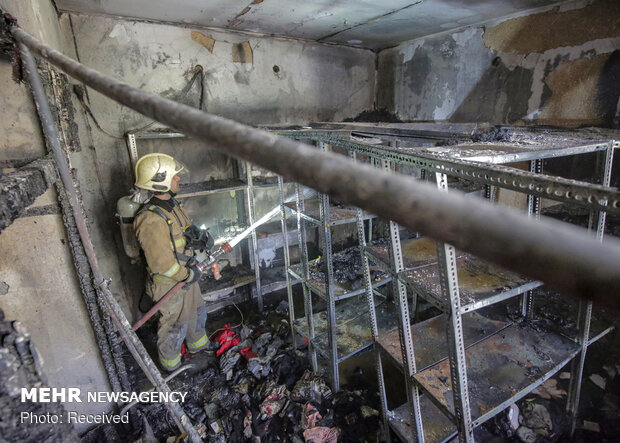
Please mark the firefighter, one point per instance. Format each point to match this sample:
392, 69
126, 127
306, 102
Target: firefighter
161, 227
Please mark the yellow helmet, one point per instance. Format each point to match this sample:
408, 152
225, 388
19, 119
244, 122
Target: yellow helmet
155, 171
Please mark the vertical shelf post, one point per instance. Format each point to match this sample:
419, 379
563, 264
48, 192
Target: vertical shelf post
324, 216
585, 308
533, 210
303, 258
490, 193
371, 311
404, 326
456, 347
132, 147
287, 259
254, 252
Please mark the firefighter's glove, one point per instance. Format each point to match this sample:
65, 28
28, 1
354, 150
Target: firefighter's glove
194, 274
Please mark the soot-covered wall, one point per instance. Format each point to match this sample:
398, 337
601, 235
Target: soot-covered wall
558, 67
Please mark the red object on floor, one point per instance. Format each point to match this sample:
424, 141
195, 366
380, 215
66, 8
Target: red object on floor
223, 330
227, 338
247, 353
183, 350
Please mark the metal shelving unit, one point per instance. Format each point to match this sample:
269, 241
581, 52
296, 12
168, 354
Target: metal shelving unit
478, 380
352, 333
330, 332
341, 291
245, 275
338, 215
481, 283
501, 370
458, 380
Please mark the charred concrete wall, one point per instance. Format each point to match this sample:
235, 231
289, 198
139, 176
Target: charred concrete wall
38, 284
557, 67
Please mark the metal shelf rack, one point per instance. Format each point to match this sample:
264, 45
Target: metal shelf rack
338, 215
501, 370
328, 332
341, 290
468, 379
352, 333
245, 275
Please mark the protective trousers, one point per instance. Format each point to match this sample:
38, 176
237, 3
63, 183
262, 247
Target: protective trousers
183, 317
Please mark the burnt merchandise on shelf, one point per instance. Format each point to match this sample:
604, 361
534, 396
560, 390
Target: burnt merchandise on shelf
347, 267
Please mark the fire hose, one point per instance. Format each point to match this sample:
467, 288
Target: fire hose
210, 263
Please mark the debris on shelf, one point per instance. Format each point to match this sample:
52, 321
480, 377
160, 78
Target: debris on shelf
507, 422
550, 389
535, 422
611, 370
347, 268
513, 417
496, 134
282, 308
376, 115
598, 381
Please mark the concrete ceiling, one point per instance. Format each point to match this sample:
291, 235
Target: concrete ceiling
362, 23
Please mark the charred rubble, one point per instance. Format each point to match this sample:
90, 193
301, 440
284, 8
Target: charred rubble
20, 367
257, 387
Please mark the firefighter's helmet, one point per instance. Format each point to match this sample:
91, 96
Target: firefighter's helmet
155, 171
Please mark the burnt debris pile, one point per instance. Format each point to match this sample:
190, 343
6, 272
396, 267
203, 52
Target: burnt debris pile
20, 367
257, 387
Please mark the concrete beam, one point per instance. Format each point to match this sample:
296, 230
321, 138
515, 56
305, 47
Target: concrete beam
19, 189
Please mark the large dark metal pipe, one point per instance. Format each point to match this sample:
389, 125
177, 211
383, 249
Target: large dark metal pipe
562, 256
133, 342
